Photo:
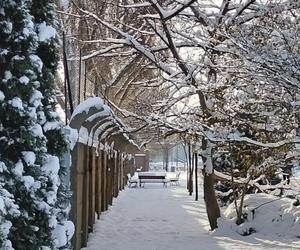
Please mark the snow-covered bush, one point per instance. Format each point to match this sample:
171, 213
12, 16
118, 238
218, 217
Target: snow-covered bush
264, 214
33, 201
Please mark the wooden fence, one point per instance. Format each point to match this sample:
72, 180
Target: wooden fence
101, 161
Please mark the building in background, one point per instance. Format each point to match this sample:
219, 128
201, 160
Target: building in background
142, 161
167, 156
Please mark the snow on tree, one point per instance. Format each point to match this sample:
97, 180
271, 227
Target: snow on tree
33, 200
120, 78
210, 52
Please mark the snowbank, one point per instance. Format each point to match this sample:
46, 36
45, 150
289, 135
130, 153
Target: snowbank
63, 233
264, 214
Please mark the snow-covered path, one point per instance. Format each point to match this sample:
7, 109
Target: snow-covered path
157, 218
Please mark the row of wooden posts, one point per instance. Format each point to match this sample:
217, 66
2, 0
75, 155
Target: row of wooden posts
97, 176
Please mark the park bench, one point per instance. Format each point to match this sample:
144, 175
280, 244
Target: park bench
132, 180
174, 180
152, 177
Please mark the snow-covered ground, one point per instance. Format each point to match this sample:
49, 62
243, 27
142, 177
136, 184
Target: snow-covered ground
157, 218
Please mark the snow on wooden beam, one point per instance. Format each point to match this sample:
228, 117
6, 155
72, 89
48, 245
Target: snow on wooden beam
92, 121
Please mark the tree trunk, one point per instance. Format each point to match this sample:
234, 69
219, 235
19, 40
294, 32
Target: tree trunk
166, 156
196, 176
190, 176
212, 207
187, 167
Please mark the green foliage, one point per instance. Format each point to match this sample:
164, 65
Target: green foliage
55, 146
30, 131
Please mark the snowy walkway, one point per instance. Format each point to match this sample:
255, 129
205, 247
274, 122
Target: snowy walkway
157, 218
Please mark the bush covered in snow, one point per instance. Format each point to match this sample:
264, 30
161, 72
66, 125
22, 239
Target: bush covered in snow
33, 201
264, 214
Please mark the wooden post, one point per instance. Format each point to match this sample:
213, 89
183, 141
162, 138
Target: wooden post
104, 205
85, 193
121, 171
115, 176
126, 170
98, 192
109, 181
118, 173
112, 178
77, 172
92, 188
112, 168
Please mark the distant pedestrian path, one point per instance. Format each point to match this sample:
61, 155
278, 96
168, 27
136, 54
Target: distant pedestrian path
157, 218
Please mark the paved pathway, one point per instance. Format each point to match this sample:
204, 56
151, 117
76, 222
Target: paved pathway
157, 218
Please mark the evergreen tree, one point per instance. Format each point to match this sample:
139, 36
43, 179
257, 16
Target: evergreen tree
33, 201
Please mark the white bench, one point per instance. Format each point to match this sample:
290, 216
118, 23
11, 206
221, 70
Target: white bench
132, 180
152, 177
175, 180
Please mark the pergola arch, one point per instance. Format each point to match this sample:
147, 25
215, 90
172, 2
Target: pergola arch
99, 167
